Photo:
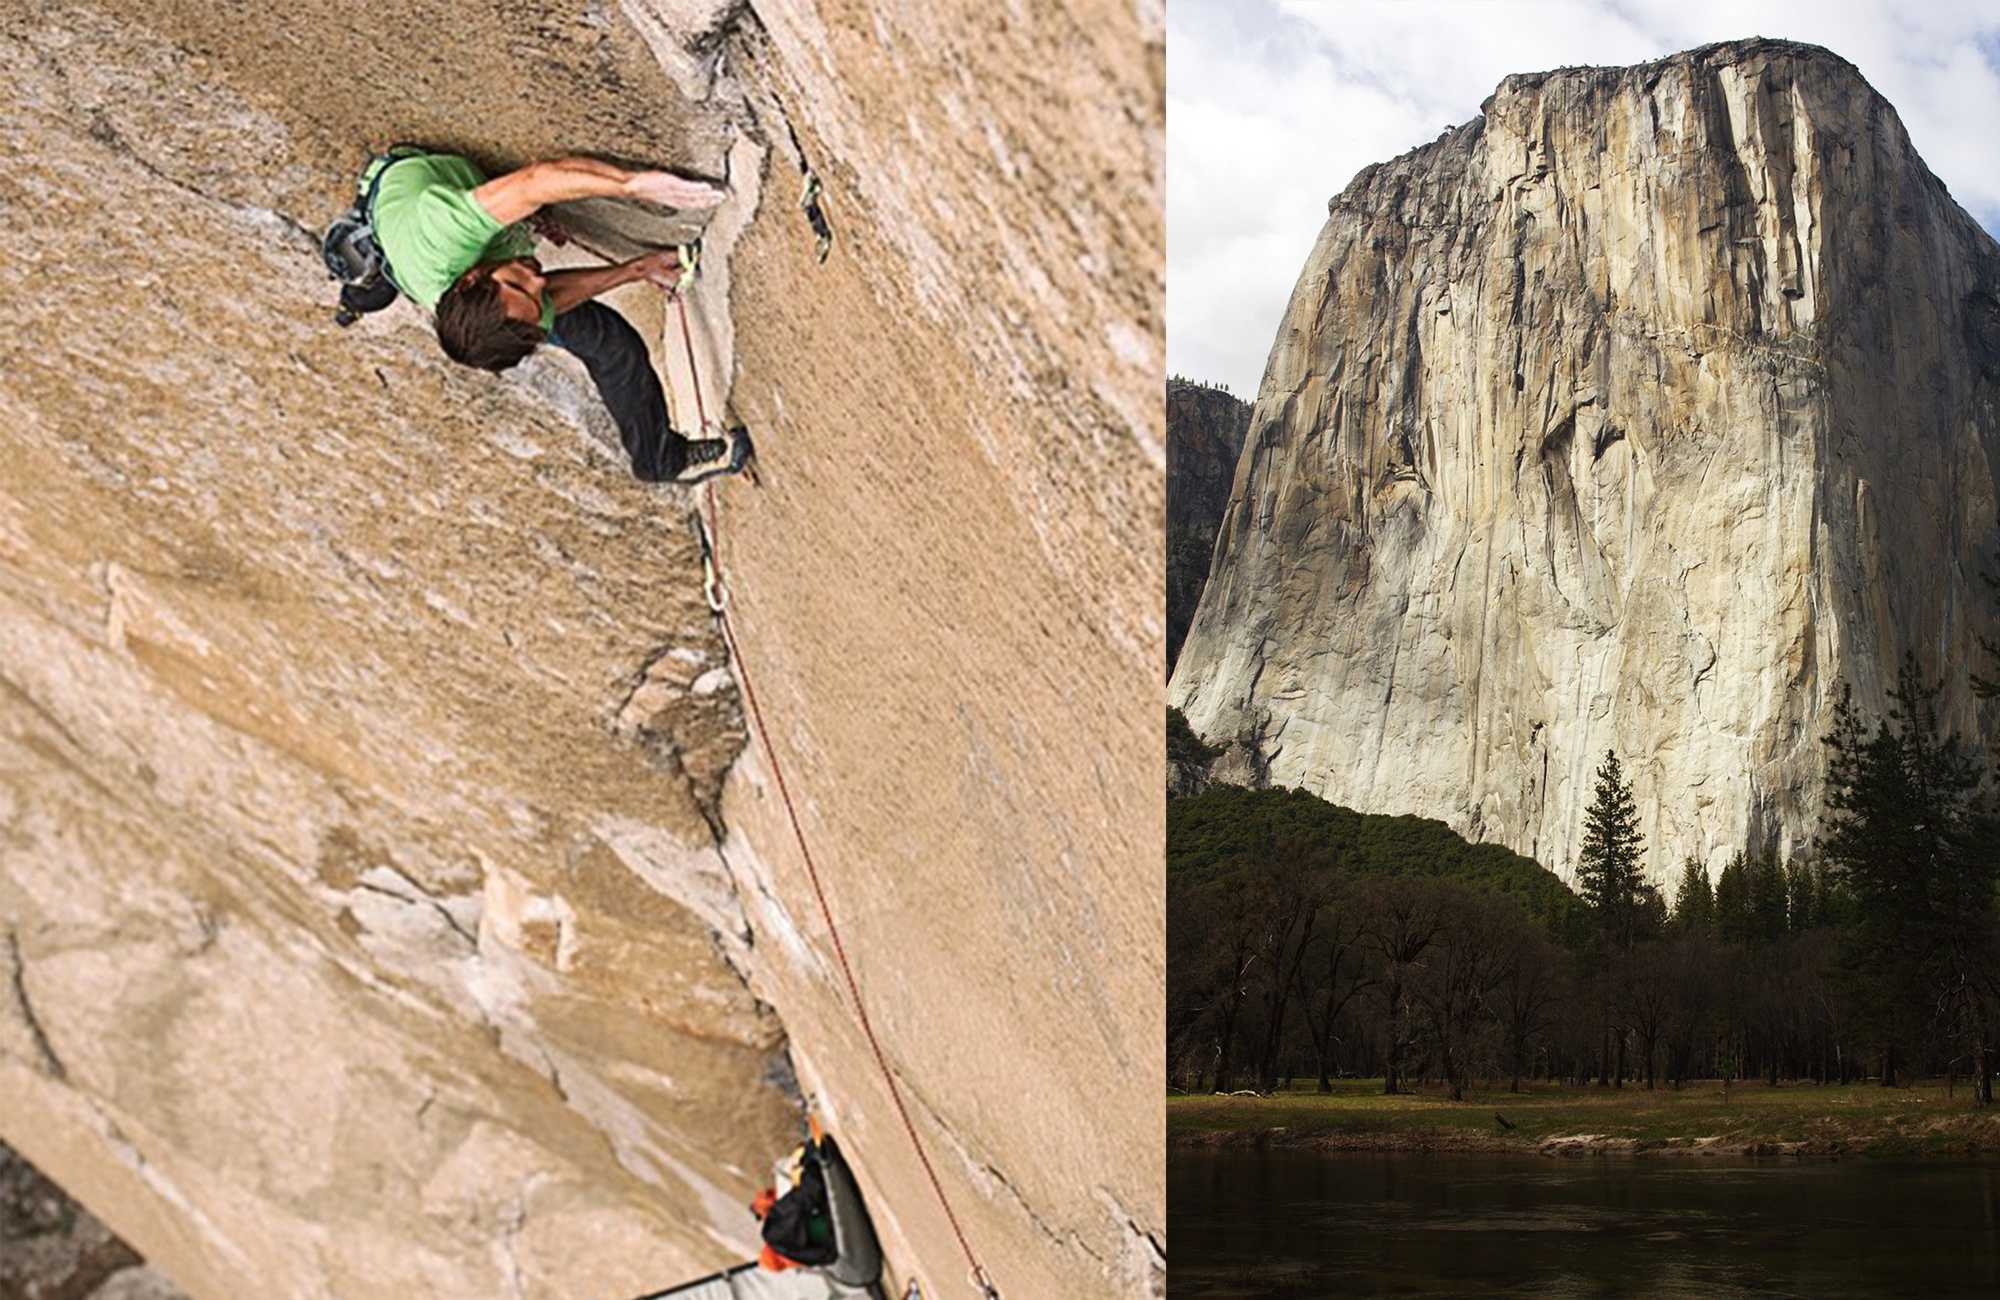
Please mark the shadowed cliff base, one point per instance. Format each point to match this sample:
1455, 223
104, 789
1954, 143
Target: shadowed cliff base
51, 1248
398, 907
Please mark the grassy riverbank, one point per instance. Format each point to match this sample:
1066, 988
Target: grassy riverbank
1791, 1119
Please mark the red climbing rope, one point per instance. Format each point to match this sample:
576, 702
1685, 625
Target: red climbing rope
712, 545
694, 376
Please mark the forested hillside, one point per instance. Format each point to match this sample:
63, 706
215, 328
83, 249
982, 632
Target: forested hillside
1220, 829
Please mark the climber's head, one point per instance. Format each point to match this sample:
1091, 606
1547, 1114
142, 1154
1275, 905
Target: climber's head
492, 317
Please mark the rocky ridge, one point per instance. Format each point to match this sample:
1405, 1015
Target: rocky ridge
1644, 412
1205, 428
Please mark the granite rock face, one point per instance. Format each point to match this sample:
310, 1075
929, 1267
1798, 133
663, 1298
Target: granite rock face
1205, 428
394, 898
1640, 413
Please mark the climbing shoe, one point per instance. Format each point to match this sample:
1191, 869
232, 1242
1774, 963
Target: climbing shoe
707, 458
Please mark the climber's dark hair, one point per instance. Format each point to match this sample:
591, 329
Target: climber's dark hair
475, 329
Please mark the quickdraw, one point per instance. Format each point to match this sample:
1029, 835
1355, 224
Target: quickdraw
815, 215
712, 589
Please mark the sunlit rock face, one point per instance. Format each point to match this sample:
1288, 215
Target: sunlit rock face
1204, 437
394, 899
1640, 413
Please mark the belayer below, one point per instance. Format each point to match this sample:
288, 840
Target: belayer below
451, 240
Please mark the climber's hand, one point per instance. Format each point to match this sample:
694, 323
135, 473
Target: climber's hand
672, 191
662, 268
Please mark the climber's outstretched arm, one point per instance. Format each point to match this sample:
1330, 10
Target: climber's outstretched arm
520, 194
580, 284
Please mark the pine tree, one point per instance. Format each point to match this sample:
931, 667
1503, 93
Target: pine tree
1900, 801
1608, 868
1905, 839
1833, 905
1650, 914
1694, 901
1766, 904
1732, 903
1801, 896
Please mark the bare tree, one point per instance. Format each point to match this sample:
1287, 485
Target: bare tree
1467, 957
1294, 891
1339, 974
1404, 916
1526, 996
1649, 998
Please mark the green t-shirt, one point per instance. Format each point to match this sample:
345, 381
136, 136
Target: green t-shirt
433, 231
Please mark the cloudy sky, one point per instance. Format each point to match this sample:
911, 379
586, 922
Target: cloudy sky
1274, 105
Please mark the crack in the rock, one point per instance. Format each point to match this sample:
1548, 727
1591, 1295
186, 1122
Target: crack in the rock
1063, 1237
555, 1074
758, 98
1067, 1236
1151, 1271
665, 747
102, 130
516, 1219
74, 760
51, 1063
748, 936
41, 711
157, 1181
424, 900
710, 45
208, 930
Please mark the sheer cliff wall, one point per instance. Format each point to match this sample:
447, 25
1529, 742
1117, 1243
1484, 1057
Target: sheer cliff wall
394, 901
1640, 413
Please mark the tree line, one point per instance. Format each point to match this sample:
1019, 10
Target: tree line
1293, 956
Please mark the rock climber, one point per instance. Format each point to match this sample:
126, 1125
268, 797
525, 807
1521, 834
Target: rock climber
464, 245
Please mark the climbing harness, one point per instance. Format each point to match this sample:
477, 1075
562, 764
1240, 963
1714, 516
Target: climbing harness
708, 528
815, 215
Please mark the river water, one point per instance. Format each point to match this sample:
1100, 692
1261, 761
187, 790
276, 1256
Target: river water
1290, 1225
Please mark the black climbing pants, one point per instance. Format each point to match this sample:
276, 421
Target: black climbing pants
615, 355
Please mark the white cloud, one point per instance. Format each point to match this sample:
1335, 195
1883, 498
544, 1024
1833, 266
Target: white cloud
1274, 105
